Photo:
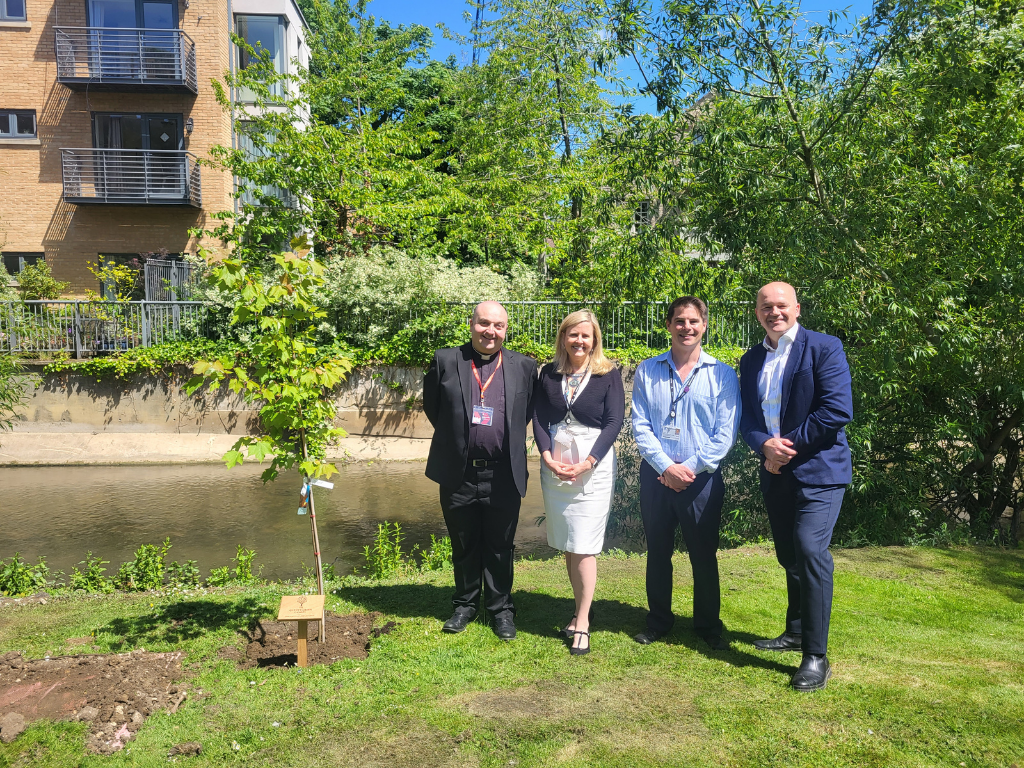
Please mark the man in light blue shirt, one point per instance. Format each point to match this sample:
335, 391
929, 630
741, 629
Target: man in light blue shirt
686, 412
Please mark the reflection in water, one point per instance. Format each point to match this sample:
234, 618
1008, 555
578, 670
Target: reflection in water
206, 510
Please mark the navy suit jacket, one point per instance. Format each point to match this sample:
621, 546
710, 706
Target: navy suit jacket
817, 402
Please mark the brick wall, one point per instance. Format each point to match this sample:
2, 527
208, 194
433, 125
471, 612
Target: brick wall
33, 216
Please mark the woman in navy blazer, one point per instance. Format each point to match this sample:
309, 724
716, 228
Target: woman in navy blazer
797, 398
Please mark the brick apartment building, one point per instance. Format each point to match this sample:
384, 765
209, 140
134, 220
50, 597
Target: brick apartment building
105, 107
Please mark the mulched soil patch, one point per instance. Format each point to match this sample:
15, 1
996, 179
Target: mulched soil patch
275, 643
114, 693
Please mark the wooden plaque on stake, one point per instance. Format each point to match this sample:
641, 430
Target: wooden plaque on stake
302, 608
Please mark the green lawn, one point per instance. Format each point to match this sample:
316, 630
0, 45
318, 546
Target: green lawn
927, 651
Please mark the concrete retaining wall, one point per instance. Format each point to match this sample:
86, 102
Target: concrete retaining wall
73, 419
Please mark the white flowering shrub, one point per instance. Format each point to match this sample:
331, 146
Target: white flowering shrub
368, 297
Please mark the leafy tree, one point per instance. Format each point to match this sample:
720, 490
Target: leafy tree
12, 392
880, 168
284, 374
365, 177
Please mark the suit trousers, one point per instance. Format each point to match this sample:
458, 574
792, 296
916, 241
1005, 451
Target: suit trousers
482, 515
802, 519
698, 512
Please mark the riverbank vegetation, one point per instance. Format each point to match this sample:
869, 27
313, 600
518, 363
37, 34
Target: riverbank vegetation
924, 644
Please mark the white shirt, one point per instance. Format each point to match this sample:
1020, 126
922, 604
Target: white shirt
769, 383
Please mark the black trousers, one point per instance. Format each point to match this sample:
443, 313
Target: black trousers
802, 519
482, 515
698, 512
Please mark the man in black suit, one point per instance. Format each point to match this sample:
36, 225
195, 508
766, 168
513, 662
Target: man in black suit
479, 399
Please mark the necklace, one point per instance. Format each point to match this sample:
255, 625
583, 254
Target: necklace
573, 382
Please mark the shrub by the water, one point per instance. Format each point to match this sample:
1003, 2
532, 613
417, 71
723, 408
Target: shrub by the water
439, 556
219, 577
90, 577
385, 558
243, 565
183, 575
18, 577
146, 571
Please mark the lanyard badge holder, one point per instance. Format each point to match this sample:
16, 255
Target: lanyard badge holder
670, 431
482, 414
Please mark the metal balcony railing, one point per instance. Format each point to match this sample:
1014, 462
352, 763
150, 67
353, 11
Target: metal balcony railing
131, 177
126, 59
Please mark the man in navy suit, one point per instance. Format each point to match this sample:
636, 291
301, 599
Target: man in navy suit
797, 397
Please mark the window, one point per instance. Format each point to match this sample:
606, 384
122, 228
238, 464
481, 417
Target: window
17, 123
132, 14
119, 131
12, 10
15, 261
263, 33
252, 152
642, 215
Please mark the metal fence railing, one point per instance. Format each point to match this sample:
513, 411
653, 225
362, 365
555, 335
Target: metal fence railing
84, 328
131, 176
169, 280
81, 328
622, 324
150, 59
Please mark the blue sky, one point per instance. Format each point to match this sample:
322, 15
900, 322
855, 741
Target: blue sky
451, 13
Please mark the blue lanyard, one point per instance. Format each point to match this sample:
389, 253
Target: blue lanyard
686, 388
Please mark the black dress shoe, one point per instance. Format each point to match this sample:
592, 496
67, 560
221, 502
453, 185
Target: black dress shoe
568, 633
457, 623
715, 642
576, 650
787, 641
813, 674
505, 627
648, 636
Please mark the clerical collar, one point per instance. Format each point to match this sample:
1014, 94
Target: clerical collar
483, 357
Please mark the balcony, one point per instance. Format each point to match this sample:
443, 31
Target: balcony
131, 177
109, 59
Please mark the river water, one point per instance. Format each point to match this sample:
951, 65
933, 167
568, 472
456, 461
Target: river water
206, 510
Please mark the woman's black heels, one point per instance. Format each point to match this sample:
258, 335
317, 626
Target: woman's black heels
577, 651
568, 633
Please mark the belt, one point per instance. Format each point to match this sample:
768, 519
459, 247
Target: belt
478, 463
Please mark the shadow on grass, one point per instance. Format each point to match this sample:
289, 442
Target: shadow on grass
180, 622
543, 615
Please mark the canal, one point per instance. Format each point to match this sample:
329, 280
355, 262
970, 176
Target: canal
206, 510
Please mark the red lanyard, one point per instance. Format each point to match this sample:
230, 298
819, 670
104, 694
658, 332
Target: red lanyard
476, 375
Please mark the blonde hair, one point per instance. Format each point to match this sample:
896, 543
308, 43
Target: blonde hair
599, 364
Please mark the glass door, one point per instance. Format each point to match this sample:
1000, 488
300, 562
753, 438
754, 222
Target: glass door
136, 171
113, 48
167, 171
161, 55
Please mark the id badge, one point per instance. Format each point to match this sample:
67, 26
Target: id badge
483, 415
668, 432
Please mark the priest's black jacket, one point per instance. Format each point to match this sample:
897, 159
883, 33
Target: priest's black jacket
447, 402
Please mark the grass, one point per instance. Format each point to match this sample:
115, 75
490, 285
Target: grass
926, 649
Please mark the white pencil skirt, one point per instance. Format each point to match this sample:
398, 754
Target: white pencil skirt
577, 513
